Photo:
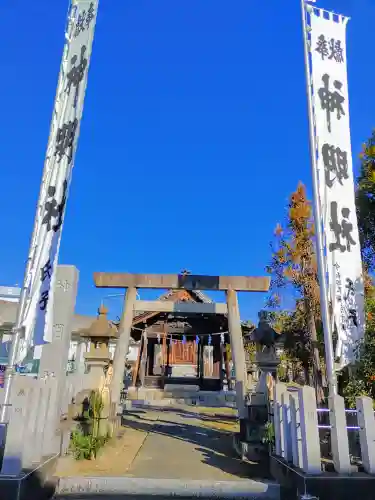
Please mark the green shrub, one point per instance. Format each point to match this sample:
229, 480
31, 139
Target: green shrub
268, 434
85, 441
85, 447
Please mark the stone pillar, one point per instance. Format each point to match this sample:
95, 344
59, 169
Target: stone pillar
32, 424
309, 431
122, 346
339, 435
46, 439
278, 418
22, 400
295, 428
287, 421
54, 359
238, 356
366, 422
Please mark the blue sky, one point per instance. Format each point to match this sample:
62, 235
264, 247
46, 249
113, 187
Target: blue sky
194, 133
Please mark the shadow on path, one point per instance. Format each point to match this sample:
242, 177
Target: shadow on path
215, 417
215, 445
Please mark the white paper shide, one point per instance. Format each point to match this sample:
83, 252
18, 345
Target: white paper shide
336, 184
62, 145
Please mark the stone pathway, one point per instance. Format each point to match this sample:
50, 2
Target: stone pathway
172, 443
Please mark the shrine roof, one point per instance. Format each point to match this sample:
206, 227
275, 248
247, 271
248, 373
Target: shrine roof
174, 296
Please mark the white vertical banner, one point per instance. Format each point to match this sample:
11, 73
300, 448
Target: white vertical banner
59, 161
335, 174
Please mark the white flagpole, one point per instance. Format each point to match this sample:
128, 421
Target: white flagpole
329, 356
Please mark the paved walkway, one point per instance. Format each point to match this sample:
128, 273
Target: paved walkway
171, 443
182, 444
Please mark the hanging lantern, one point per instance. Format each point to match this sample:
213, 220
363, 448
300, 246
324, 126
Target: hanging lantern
209, 340
222, 338
197, 339
158, 336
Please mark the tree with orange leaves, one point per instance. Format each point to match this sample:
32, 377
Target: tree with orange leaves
293, 267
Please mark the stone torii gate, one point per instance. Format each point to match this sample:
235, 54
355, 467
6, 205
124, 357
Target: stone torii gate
230, 284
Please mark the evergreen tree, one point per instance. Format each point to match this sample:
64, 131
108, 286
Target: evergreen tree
365, 201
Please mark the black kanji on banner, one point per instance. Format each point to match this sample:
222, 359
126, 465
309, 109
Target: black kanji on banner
350, 288
54, 210
76, 73
341, 229
330, 49
65, 140
84, 20
46, 271
61, 208
350, 301
335, 164
50, 208
43, 301
331, 101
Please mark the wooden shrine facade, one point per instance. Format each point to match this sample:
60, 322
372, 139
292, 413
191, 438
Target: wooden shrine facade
181, 348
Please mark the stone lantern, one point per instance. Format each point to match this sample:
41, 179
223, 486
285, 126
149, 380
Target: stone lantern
98, 358
268, 343
99, 369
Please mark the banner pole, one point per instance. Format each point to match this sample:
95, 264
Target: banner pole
324, 307
17, 329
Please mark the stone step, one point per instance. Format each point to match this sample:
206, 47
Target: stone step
125, 487
181, 388
198, 397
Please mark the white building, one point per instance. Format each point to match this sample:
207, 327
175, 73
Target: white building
10, 293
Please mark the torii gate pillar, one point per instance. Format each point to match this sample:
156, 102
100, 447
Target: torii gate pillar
238, 355
122, 346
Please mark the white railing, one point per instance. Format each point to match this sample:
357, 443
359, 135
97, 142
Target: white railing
296, 425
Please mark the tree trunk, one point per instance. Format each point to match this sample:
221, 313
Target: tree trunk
306, 372
317, 369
